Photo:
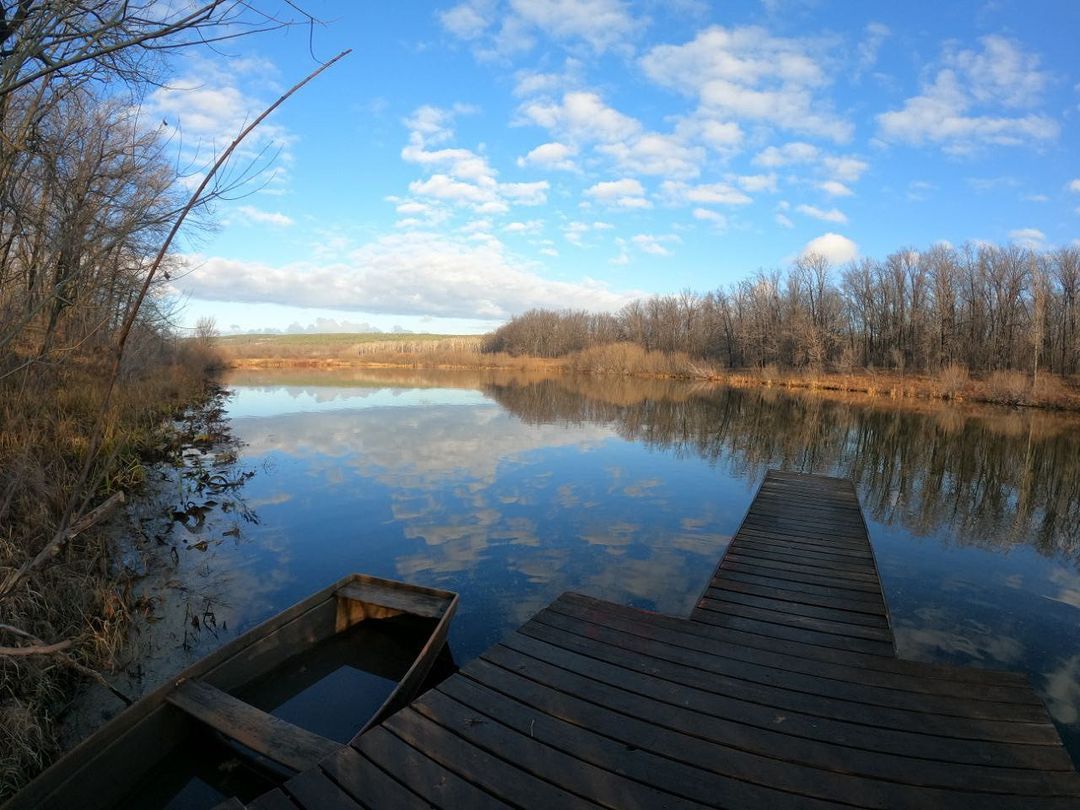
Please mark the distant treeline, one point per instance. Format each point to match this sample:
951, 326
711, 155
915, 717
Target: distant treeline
984, 307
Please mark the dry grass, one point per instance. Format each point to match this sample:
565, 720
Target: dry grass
999, 388
47, 416
1008, 387
630, 359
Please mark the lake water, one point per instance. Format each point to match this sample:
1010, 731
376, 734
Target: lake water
511, 491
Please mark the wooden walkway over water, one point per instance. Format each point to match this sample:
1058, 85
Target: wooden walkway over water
782, 690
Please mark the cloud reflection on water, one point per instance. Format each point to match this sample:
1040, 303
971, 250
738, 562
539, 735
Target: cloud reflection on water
513, 493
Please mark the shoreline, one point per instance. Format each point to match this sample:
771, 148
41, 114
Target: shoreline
1054, 394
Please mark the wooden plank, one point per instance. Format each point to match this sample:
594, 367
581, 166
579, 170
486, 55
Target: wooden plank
363, 779
848, 690
407, 600
792, 552
621, 747
790, 633
517, 742
788, 617
729, 586
740, 596
843, 522
854, 580
426, 776
272, 800
509, 781
674, 667
797, 547
736, 638
576, 698
530, 658
802, 528
697, 636
860, 600
795, 573
276, 739
855, 551
232, 803
313, 789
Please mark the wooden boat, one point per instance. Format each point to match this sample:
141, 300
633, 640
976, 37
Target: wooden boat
102, 770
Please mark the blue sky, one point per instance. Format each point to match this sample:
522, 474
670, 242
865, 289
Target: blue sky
471, 160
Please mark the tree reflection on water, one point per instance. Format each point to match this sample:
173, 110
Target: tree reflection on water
992, 477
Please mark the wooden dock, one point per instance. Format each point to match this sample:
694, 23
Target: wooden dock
782, 690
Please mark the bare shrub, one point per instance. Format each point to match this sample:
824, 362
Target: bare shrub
769, 373
1007, 387
629, 358
951, 380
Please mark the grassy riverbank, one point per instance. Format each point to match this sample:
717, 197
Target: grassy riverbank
73, 607
953, 383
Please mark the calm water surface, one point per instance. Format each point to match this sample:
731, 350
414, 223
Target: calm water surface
513, 491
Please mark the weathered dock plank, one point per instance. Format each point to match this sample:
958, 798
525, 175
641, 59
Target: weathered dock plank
781, 690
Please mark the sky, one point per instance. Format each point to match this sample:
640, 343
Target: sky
469, 161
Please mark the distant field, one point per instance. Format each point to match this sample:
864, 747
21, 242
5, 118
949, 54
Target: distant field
331, 339
372, 348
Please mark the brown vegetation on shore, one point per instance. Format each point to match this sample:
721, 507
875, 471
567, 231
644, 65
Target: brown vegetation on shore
73, 597
952, 383
89, 365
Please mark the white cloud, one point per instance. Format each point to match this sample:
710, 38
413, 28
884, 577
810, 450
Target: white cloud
745, 73
463, 177
1075, 185
654, 245
784, 221
757, 182
419, 273
526, 193
550, 156
845, 168
874, 36
832, 246
575, 232
529, 226
832, 215
582, 117
972, 102
707, 193
708, 215
601, 23
498, 32
790, 153
429, 125
723, 137
837, 168
258, 216
834, 188
625, 193
919, 190
1031, 238
468, 20
652, 153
